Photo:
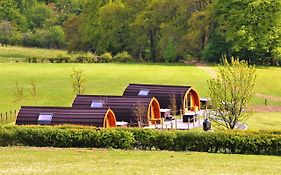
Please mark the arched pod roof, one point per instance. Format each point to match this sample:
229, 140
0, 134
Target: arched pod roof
163, 93
102, 117
122, 106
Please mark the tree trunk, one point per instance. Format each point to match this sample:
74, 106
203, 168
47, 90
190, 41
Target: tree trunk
152, 45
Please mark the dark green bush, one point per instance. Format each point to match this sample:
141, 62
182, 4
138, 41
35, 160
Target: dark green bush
234, 142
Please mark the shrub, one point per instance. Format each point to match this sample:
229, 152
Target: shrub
86, 58
234, 142
105, 58
122, 57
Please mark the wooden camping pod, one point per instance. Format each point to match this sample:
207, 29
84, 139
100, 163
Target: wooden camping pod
186, 97
102, 117
124, 107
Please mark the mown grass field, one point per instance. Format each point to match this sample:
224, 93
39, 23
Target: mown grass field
55, 88
29, 160
265, 120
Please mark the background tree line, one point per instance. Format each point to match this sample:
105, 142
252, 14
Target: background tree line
152, 30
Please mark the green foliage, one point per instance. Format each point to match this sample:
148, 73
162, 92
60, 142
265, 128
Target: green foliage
170, 52
52, 37
232, 91
40, 16
122, 57
247, 29
251, 142
251, 29
9, 34
105, 58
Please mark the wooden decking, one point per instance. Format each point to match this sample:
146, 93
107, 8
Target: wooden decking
177, 124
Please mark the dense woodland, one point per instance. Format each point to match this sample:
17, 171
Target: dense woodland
151, 30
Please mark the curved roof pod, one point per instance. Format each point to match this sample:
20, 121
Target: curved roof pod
186, 97
124, 107
102, 117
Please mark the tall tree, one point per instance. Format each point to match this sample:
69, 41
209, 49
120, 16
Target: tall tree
251, 28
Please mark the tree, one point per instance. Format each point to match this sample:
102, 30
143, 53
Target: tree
79, 81
9, 34
34, 91
40, 16
170, 52
173, 104
19, 94
251, 29
139, 113
232, 91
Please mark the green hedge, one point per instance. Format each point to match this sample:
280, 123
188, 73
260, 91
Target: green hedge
234, 142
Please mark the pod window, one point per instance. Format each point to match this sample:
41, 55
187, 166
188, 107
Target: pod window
45, 119
144, 92
97, 104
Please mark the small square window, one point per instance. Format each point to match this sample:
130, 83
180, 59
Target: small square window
144, 92
45, 119
97, 104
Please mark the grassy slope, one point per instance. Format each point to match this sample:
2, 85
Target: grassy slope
11, 54
54, 82
263, 120
93, 161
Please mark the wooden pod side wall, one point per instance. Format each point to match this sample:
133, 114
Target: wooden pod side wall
191, 100
109, 119
153, 111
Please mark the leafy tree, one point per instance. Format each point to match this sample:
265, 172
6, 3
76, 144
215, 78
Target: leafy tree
9, 34
170, 52
40, 16
249, 27
10, 12
232, 91
72, 33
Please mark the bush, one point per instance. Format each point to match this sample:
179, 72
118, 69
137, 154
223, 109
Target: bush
105, 58
86, 58
234, 142
122, 57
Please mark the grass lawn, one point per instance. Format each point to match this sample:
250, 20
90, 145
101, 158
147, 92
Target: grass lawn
55, 88
269, 81
262, 120
28, 160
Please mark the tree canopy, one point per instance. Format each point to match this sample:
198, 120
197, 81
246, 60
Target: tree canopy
151, 30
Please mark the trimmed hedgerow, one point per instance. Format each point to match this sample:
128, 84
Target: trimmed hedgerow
234, 142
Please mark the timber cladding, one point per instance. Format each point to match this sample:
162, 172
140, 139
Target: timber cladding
123, 107
102, 117
186, 97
